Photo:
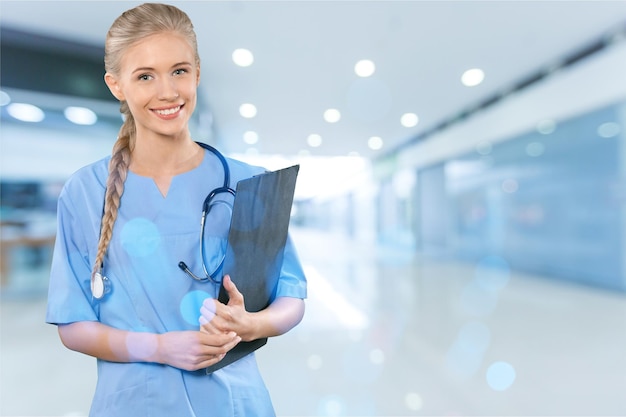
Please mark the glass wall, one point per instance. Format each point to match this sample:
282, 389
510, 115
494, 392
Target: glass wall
549, 201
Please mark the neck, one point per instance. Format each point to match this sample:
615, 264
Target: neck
164, 156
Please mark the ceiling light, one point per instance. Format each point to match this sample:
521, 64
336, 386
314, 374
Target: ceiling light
80, 115
4, 98
314, 140
375, 143
250, 137
364, 68
472, 77
332, 115
247, 110
409, 120
26, 112
243, 57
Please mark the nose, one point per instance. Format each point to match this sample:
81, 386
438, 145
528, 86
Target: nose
167, 89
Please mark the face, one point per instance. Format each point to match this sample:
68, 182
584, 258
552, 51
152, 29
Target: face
158, 79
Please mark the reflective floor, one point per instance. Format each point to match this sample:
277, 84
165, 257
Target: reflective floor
386, 333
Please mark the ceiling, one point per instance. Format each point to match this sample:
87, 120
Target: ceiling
305, 52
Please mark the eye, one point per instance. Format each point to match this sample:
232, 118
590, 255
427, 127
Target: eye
144, 77
180, 71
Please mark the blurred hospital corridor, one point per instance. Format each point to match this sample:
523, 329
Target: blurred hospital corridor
386, 333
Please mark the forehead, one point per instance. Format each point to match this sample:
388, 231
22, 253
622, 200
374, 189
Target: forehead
158, 50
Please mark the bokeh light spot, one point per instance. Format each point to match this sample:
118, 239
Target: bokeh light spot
500, 376
413, 401
547, 126
190, 306
141, 346
535, 149
484, 148
609, 130
140, 237
510, 186
332, 406
314, 362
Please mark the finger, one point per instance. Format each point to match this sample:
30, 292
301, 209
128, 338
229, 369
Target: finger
218, 343
215, 322
210, 305
233, 293
206, 313
207, 326
209, 361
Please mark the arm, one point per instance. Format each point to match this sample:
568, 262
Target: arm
188, 350
278, 318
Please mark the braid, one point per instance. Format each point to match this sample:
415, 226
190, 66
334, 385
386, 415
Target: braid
118, 170
133, 25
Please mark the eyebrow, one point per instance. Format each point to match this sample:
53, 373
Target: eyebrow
178, 64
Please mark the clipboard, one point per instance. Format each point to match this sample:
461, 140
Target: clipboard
256, 243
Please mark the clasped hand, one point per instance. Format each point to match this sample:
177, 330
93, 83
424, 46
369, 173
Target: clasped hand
222, 327
219, 318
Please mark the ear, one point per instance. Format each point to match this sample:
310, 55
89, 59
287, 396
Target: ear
197, 75
114, 86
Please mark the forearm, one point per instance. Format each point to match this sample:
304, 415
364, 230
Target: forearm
278, 318
188, 350
108, 343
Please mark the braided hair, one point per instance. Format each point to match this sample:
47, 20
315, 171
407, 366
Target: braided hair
128, 29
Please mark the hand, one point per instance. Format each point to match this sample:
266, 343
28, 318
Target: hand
192, 350
232, 317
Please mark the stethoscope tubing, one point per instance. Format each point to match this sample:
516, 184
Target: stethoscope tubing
103, 285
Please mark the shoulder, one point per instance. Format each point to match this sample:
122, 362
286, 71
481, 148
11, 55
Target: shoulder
240, 170
88, 180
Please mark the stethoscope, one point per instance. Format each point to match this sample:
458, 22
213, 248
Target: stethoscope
101, 285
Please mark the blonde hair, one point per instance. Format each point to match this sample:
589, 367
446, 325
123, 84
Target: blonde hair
129, 28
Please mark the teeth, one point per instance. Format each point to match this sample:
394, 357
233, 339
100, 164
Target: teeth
168, 111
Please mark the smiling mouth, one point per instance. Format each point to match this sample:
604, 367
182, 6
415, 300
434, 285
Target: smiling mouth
168, 112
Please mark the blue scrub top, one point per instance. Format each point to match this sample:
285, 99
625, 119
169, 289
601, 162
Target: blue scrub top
152, 234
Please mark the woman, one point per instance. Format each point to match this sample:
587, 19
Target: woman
116, 290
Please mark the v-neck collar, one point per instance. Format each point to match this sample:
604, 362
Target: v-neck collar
173, 179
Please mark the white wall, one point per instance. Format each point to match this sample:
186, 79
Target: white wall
33, 152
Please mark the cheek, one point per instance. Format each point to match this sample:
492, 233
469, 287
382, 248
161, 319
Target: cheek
190, 95
137, 98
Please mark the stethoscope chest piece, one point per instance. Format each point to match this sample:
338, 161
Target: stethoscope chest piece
100, 286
